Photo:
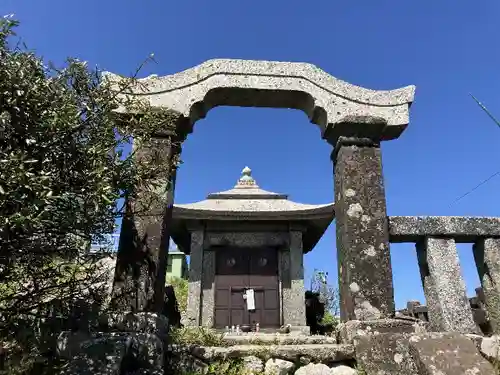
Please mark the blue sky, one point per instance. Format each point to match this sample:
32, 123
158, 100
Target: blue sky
446, 48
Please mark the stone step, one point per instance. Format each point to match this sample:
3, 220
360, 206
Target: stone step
269, 338
324, 353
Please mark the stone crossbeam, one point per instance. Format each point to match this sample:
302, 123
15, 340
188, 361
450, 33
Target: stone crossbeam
463, 229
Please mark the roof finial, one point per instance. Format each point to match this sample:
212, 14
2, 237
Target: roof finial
246, 172
246, 179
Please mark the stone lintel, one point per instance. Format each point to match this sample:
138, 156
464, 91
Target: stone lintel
246, 239
444, 288
487, 257
463, 229
325, 99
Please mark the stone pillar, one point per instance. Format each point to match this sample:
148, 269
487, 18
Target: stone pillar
139, 281
444, 288
365, 273
193, 311
487, 257
293, 293
208, 289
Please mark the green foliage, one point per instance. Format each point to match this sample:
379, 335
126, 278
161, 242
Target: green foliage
329, 318
181, 291
197, 336
328, 294
62, 171
228, 367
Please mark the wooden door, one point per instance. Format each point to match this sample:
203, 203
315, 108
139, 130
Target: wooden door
238, 270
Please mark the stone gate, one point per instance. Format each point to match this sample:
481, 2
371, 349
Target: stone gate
355, 121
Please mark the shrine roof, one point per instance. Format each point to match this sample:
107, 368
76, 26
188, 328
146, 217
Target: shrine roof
246, 198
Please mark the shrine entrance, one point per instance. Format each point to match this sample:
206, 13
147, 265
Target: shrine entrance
238, 271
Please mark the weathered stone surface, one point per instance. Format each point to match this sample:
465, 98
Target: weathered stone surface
253, 364
247, 83
141, 322
448, 306
294, 308
193, 311
278, 367
314, 369
461, 228
110, 353
447, 354
490, 347
139, 281
385, 353
68, 343
366, 290
208, 288
487, 257
270, 338
317, 353
349, 330
343, 370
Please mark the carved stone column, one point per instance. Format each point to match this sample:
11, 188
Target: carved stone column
444, 288
193, 311
139, 281
365, 273
487, 257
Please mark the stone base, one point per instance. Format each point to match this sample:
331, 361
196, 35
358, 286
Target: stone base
427, 353
274, 339
108, 353
349, 330
299, 330
320, 353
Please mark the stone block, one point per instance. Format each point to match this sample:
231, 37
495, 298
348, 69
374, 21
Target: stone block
354, 328
277, 339
328, 353
68, 343
343, 370
447, 354
109, 353
138, 322
278, 367
314, 369
490, 347
253, 365
385, 353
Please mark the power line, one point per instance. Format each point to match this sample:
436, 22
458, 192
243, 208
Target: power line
494, 174
476, 187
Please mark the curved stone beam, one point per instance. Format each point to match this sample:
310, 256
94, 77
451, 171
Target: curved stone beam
247, 83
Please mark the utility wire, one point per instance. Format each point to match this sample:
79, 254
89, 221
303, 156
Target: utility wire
494, 174
486, 110
476, 187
